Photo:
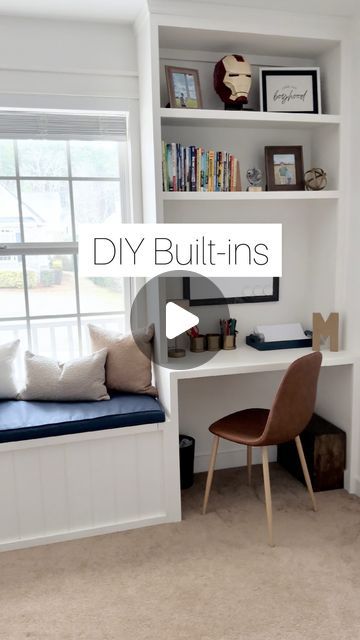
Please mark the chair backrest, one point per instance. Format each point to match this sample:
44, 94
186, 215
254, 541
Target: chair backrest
294, 402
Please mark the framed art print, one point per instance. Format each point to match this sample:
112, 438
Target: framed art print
290, 90
183, 87
284, 168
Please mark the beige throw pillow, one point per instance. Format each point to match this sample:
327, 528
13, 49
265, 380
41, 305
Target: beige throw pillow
76, 380
128, 368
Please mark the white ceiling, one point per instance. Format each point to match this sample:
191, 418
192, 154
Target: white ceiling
126, 10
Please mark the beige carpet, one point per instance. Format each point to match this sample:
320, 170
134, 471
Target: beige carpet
206, 578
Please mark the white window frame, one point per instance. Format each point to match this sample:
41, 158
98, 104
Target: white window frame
129, 180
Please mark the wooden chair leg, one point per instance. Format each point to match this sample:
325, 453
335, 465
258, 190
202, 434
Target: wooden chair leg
305, 471
267, 488
249, 463
210, 472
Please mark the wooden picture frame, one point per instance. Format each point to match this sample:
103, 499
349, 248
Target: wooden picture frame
183, 87
237, 283
290, 90
284, 167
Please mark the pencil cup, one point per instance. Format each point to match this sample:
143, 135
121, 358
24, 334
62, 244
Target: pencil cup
197, 343
213, 341
229, 342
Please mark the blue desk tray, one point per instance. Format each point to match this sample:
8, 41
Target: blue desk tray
253, 341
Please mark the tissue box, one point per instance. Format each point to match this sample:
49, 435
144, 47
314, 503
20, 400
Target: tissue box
253, 340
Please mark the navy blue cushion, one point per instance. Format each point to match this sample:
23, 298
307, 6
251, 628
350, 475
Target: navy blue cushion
24, 420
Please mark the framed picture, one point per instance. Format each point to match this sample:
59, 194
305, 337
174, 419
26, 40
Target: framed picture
290, 90
284, 169
235, 290
183, 87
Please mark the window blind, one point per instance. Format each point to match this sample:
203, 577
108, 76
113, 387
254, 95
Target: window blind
62, 125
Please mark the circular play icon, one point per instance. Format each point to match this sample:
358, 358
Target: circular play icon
187, 316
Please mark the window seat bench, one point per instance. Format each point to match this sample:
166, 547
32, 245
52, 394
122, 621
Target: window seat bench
76, 469
24, 420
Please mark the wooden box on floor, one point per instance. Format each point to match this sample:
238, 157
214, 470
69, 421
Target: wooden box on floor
325, 449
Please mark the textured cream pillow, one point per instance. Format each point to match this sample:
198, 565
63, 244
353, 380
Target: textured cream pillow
8, 387
76, 380
128, 368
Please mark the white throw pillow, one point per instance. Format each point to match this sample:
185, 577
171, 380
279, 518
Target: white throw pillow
76, 380
8, 386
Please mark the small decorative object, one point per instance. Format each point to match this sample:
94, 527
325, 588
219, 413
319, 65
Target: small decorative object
197, 340
290, 90
183, 87
176, 352
254, 178
213, 341
229, 343
315, 179
284, 168
197, 343
232, 81
326, 329
228, 333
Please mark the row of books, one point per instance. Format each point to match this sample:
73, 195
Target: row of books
195, 169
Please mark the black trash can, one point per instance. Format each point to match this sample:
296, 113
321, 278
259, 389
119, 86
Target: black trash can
187, 452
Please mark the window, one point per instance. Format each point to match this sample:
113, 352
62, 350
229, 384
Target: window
57, 170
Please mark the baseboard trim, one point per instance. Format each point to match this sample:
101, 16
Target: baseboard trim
231, 458
347, 480
37, 541
357, 486
351, 483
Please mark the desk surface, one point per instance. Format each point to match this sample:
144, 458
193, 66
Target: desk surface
245, 359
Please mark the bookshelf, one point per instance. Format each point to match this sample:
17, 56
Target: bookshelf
314, 222
246, 135
260, 196
217, 117
316, 225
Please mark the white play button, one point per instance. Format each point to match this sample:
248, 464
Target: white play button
178, 320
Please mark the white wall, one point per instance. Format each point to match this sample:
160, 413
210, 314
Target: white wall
50, 58
63, 64
352, 281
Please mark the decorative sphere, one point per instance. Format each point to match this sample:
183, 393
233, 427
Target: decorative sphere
315, 179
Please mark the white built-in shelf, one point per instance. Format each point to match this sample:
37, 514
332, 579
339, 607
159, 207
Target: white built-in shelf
214, 117
198, 196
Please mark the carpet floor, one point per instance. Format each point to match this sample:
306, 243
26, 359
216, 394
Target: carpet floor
208, 577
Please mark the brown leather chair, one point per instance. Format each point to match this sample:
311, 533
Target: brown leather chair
290, 413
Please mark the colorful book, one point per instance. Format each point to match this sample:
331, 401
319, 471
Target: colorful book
191, 168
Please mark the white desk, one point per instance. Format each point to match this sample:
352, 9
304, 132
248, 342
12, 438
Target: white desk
246, 359
337, 399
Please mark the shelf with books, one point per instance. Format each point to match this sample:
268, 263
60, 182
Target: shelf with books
265, 196
189, 169
320, 145
222, 118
